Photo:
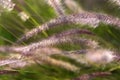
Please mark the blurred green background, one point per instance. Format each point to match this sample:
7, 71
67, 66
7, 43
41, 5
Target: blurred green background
12, 28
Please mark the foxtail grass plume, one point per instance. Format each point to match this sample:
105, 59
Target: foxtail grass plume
2, 72
93, 56
93, 75
52, 61
7, 4
57, 5
65, 36
53, 40
9, 61
48, 51
100, 56
92, 19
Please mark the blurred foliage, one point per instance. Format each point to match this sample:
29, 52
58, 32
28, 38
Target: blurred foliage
12, 27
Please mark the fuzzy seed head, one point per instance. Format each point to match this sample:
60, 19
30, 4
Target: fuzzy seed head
100, 56
23, 16
7, 4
